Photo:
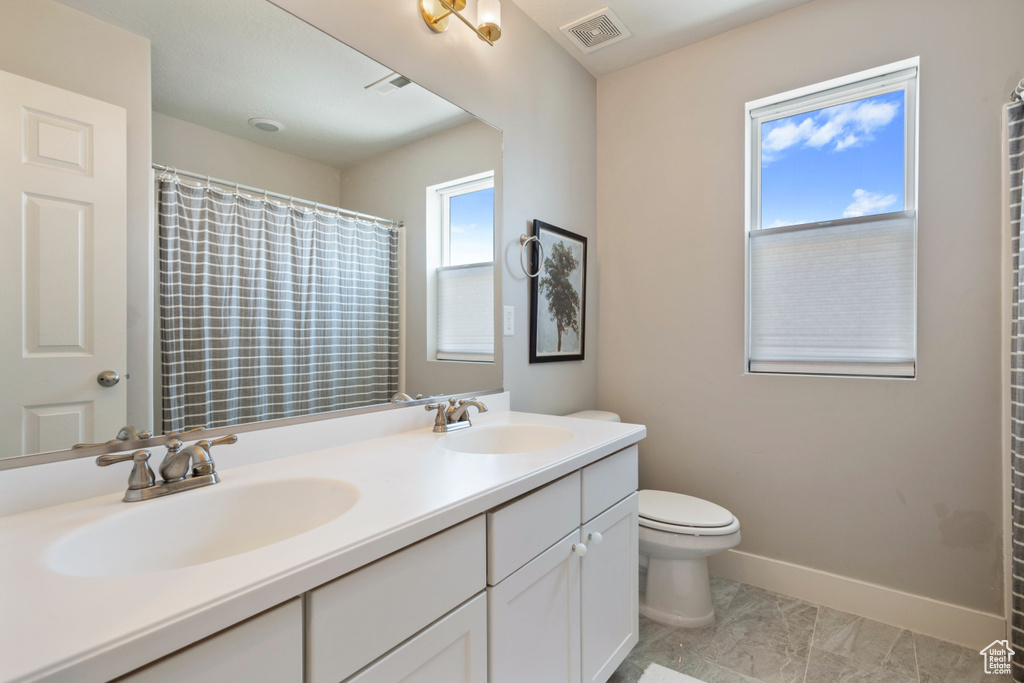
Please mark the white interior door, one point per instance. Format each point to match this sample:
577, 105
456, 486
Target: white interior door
62, 266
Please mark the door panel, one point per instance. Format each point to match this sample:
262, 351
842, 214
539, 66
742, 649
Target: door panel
610, 625
62, 271
534, 619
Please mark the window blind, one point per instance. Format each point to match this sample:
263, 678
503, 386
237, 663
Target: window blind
841, 293
465, 312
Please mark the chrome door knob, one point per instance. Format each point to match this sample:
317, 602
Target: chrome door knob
108, 378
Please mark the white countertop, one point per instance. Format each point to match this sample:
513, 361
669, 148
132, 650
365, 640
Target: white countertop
56, 627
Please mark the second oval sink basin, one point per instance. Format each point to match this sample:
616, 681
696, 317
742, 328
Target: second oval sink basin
499, 439
194, 527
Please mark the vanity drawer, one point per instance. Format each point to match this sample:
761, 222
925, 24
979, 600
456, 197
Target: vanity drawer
519, 531
267, 647
357, 618
608, 481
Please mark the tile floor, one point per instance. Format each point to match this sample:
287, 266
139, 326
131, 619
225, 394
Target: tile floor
765, 637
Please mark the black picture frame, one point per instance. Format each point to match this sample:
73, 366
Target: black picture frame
557, 325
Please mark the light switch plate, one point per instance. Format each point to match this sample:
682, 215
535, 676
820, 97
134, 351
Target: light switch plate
508, 323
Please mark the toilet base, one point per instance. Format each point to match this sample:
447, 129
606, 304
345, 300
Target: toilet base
678, 593
674, 619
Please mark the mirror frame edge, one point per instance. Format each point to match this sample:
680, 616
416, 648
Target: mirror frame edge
32, 459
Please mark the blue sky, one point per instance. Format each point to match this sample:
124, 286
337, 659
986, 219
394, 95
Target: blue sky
471, 217
837, 162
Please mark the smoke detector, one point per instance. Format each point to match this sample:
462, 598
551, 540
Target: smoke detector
389, 84
597, 30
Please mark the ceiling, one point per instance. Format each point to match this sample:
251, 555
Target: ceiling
218, 64
657, 26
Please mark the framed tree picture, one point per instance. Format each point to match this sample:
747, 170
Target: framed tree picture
558, 297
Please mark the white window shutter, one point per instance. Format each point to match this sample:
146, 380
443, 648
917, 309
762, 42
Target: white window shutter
834, 294
465, 312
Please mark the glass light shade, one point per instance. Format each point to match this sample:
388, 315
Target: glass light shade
488, 17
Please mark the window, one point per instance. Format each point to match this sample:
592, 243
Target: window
462, 272
832, 227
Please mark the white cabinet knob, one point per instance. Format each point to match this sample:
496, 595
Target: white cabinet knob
579, 549
595, 537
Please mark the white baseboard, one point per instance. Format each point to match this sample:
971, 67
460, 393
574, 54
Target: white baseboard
941, 620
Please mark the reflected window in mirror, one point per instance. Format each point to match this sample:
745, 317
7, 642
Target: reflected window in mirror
461, 221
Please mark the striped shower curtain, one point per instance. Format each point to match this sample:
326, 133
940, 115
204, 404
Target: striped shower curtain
269, 311
1016, 147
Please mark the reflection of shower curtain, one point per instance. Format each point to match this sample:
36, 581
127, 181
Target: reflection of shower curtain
269, 311
1016, 138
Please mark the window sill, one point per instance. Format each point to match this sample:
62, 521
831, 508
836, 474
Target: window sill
898, 370
465, 357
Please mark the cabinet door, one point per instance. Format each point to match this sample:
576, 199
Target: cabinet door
534, 619
453, 650
266, 648
609, 590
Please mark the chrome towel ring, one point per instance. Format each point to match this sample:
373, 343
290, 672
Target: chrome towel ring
523, 241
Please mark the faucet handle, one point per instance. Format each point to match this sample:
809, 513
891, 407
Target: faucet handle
222, 441
142, 474
439, 420
204, 464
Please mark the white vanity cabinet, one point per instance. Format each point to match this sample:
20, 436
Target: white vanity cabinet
610, 595
267, 647
565, 613
355, 619
540, 589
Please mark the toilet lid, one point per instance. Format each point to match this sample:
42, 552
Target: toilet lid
681, 510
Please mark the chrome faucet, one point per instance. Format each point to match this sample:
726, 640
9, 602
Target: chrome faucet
451, 417
174, 469
177, 459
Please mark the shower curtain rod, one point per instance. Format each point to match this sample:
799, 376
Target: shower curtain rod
394, 225
1017, 93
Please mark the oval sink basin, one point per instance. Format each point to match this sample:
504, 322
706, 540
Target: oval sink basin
499, 439
194, 527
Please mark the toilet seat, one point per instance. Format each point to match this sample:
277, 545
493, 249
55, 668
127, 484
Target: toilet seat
730, 528
681, 514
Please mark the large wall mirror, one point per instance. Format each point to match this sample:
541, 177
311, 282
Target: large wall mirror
298, 230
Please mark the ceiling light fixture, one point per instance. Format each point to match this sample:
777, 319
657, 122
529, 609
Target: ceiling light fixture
266, 125
488, 28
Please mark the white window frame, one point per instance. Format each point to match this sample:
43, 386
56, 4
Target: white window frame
438, 256
903, 75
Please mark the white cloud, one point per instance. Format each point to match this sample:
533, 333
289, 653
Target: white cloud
843, 126
865, 202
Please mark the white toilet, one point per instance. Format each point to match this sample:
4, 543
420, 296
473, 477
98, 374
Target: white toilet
677, 535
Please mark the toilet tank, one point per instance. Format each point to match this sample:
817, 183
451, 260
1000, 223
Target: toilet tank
603, 415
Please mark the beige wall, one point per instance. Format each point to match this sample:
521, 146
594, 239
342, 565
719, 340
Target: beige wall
544, 103
190, 147
54, 44
892, 482
394, 185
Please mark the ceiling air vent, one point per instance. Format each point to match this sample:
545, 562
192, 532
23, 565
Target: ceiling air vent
597, 30
389, 84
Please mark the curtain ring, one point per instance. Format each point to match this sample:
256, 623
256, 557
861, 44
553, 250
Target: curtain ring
523, 241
